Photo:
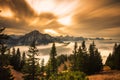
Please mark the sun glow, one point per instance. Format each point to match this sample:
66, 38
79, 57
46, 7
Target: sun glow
65, 20
6, 13
50, 31
59, 8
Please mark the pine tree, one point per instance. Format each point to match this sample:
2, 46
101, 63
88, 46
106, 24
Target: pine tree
5, 73
98, 61
109, 59
13, 51
32, 65
83, 58
4, 58
113, 59
23, 61
18, 60
95, 60
52, 63
75, 61
42, 68
13, 57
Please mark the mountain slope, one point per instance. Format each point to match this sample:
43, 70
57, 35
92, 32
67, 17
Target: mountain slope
28, 38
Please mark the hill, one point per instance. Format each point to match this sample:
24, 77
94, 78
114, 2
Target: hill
106, 75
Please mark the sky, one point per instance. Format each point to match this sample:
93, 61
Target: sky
87, 18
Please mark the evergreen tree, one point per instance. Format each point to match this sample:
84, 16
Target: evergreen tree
13, 51
4, 58
5, 73
75, 61
109, 60
116, 57
83, 46
113, 59
18, 60
83, 58
61, 59
15, 60
31, 67
42, 68
53, 55
52, 63
95, 61
23, 61
98, 61
13, 57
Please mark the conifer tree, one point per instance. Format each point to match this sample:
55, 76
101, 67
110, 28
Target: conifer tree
23, 61
18, 60
83, 58
95, 61
31, 67
13, 57
42, 68
113, 60
75, 61
53, 63
51, 67
5, 73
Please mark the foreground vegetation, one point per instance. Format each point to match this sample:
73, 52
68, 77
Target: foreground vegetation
77, 66
106, 75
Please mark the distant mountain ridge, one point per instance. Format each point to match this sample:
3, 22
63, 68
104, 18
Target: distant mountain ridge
28, 38
41, 38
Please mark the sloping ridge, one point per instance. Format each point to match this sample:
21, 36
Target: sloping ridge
38, 37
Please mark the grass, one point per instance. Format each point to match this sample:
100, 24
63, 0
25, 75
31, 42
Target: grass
106, 75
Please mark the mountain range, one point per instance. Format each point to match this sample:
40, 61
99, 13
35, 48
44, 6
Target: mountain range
28, 38
41, 38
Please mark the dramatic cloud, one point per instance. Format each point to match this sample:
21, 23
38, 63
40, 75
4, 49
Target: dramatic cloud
88, 18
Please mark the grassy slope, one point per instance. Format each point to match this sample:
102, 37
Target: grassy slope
17, 75
106, 75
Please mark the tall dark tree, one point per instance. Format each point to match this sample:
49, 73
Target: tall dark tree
61, 59
3, 48
5, 73
23, 60
31, 66
74, 61
13, 58
109, 60
42, 67
18, 60
52, 63
113, 59
95, 59
83, 58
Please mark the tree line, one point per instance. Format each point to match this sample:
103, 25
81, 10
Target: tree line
76, 66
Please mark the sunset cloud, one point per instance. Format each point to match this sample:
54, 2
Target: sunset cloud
88, 18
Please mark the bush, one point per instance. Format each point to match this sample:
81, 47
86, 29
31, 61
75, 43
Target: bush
69, 76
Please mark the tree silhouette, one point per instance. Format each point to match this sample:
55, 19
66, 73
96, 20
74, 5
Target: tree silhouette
5, 73
31, 67
52, 63
95, 60
74, 61
113, 59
